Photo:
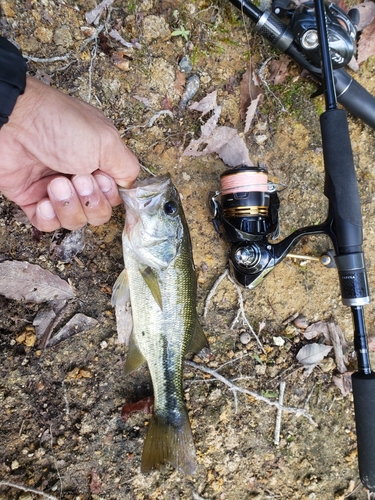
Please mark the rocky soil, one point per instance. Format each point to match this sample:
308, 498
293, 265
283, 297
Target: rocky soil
61, 431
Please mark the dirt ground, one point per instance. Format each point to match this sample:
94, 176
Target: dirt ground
61, 430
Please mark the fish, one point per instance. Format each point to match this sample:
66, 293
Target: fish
159, 283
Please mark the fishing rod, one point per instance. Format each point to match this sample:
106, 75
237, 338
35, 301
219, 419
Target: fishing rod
247, 205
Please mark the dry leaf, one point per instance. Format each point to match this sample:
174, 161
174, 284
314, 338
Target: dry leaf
312, 354
224, 141
371, 344
116, 36
93, 16
316, 329
79, 323
179, 83
249, 90
366, 14
250, 113
31, 283
121, 60
206, 104
279, 69
343, 382
72, 244
366, 44
96, 483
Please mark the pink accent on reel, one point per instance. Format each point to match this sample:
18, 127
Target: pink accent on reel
244, 182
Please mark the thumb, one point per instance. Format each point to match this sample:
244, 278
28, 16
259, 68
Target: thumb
120, 163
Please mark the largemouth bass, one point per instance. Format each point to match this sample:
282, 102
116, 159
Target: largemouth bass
159, 280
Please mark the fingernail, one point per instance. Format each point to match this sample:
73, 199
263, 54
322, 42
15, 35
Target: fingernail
84, 184
46, 210
104, 183
61, 189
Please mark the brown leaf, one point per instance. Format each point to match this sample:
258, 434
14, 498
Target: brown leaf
79, 323
279, 69
366, 44
145, 404
366, 14
316, 329
249, 90
31, 283
206, 104
96, 483
121, 60
179, 83
94, 15
250, 113
224, 141
343, 382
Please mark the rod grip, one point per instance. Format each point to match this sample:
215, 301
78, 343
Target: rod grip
364, 407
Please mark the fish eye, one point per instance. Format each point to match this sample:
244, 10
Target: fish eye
170, 208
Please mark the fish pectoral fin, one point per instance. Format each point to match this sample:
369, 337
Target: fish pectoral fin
120, 291
198, 340
134, 358
152, 282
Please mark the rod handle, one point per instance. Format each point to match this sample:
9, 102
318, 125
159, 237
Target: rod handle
364, 407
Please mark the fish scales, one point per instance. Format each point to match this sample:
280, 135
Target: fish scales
160, 282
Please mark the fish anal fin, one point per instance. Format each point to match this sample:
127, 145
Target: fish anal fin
152, 282
120, 291
134, 358
166, 443
198, 340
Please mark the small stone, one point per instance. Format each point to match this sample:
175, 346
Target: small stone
245, 338
15, 465
43, 34
279, 341
185, 65
155, 28
301, 322
63, 37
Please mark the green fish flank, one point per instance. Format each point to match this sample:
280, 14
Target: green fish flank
159, 280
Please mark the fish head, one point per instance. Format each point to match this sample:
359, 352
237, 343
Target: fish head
155, 222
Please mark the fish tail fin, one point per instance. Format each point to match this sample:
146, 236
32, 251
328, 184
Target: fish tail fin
166, 442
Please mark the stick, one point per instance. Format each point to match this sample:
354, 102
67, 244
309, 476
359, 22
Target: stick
279, 414
28, 490
48, 59
242, 314
255, 395
212, 292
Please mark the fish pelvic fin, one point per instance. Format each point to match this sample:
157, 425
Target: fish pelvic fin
120, 291
134, 358
152, 282
168, 443
198, 340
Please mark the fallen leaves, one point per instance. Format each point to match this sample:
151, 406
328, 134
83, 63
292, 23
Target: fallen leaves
31, 283
223, 141
311, 355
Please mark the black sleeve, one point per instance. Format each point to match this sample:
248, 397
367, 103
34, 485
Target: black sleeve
12, 78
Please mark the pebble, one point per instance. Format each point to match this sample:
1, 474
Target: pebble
155, 28
245, 338
63, 37
185, 65
301, 322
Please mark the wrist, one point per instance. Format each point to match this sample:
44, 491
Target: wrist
12, 78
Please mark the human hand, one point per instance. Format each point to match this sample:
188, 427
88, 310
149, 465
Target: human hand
62, 159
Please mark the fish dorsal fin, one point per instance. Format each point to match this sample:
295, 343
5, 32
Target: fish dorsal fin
152, 282
134, 358
120, 291
198, 340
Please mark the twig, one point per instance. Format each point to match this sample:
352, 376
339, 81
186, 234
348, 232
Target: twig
158, 114
255, 395
28, 490
147, 170
263, 80
54, 458
241, 313
212, 292
92, 37
279, 414
338, 342
92, 59
48, 59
